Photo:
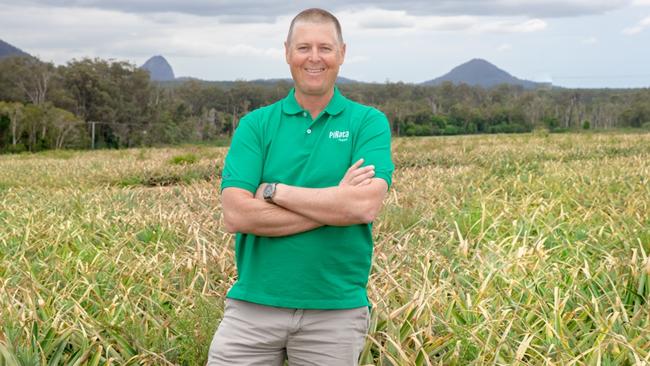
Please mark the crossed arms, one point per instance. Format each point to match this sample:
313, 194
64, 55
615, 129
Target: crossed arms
356, 200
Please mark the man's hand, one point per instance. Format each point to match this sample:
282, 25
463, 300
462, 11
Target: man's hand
356, 176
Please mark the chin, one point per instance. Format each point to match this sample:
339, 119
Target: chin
311, 90
316, 89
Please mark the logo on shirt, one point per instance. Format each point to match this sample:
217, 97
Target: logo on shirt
340, 135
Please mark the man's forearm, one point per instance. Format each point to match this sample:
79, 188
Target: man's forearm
247, 214
336, 206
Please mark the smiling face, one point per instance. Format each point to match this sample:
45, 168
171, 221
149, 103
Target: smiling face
314, 55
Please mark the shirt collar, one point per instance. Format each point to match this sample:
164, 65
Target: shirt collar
334, 107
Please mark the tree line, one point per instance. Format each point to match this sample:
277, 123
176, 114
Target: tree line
114, 104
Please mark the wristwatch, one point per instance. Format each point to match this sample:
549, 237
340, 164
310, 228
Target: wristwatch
269, 192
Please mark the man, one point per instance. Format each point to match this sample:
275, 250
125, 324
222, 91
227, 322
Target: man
303, 180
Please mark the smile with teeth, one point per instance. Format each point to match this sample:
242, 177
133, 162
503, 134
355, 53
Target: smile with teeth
314, 70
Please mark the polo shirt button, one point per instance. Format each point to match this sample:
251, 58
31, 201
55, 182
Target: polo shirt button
308, 131
304, 114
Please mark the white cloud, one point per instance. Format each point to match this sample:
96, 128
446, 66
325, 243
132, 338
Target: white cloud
373, 18
531, 25
641, 2
504, 47
638, 28
248, 50
376, 20
379, 18
449, 23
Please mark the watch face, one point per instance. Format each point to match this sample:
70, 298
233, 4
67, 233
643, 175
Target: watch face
268, 191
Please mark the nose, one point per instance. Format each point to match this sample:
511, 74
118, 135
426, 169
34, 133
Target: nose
313, 56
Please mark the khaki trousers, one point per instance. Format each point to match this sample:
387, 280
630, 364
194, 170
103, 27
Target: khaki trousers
253, 334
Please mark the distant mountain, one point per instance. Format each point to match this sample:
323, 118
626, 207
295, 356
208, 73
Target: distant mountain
342, 80
7, 50
478, 72
159, 69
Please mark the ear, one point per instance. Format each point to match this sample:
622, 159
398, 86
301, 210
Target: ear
286, 52
343, 47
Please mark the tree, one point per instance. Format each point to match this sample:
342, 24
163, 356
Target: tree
115, 93
64, 126
5, 124
8, 90
241, 98
30, 76
636, 115
15, 113
33, 118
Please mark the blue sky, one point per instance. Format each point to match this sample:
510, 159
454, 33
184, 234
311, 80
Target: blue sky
571, 43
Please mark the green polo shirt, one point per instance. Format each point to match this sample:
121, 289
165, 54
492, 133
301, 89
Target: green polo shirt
324, 268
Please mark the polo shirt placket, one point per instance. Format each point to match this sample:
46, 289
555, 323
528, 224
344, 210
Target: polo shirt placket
315, 127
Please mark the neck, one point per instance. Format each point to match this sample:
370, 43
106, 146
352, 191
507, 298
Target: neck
314, 103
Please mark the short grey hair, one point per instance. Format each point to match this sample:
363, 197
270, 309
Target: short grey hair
316, 15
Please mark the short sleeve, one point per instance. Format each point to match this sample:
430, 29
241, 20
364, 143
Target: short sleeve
373, 145
244, 161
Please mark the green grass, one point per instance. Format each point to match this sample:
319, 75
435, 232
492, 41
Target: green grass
524, 249
184, 159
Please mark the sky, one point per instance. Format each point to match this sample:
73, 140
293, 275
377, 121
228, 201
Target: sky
570, 43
